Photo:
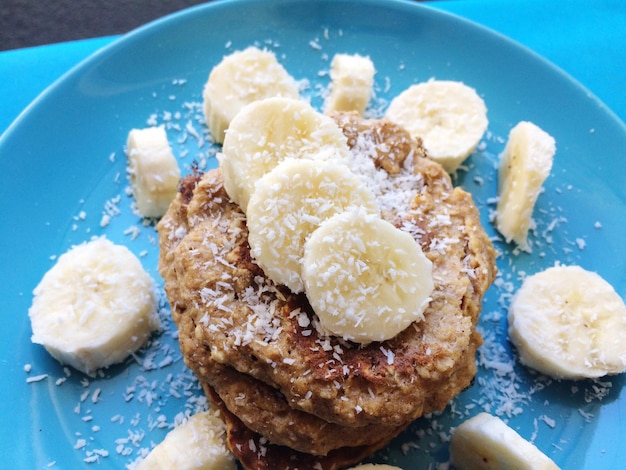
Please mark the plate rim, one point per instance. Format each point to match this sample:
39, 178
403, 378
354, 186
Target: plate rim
129, 36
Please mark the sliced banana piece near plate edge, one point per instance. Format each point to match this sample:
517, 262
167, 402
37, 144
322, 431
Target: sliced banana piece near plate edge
485, 442
153, 169
569, 323
94, 307
352, 80
198, 443
524, 165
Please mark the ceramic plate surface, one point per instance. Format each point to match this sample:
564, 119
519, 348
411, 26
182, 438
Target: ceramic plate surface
63, 177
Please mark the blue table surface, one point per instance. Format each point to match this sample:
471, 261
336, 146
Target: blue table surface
585, 38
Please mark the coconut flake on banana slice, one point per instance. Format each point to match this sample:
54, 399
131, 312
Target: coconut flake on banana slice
289, 203
365, 279
94, 307
268, 131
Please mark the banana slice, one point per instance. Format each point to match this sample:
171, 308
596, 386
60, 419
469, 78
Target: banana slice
524, 166
268, 131
239, 79
94, 307
365, 279
569, 323
198, 443
153, 170
352, 79
289, 203
448, 116
485, 442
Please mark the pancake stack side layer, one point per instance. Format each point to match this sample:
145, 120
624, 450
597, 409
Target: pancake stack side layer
291, 395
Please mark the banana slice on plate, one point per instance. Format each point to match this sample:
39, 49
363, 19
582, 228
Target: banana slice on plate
569, 323
485, 442
153, 170
524, 166
289, 203
94, 307
266, 132
239, 79
365, 279
198, 443
448, 116
352, 79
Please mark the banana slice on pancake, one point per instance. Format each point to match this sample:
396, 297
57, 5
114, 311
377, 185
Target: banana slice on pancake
289, 203
268, 131
365, 279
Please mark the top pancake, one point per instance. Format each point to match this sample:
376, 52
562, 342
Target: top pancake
231, 314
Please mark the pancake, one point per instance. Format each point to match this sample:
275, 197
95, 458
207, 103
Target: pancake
265, 411
255, 452
238, 330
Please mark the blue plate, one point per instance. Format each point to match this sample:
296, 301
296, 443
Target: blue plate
62, 170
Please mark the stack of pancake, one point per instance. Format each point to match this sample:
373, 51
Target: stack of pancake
293, 396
